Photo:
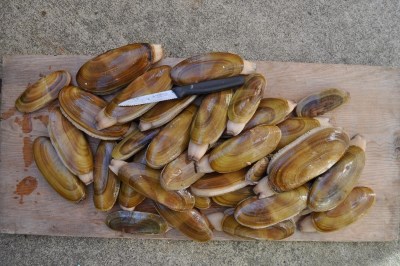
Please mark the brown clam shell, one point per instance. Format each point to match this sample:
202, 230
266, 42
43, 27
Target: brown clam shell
140, 157
81, 107
132, 143
231, 199
163, 112
331, 188
257, 171
105, 183
245, 149
306, 158
191, 222
56, 174
42, 92
321, 102
292, 128
146, 181
261, 213
209, 66
356, 205
154, 80
128, 198
179, 174
172, 140
278, 231
71, 146
202, 202
270, 111
116, 68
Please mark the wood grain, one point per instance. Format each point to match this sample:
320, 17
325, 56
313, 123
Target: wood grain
374, 111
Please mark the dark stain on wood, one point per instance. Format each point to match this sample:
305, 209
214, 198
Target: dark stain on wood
25, 187
38, 193
27, 151
9, 113
25, 123
42, 118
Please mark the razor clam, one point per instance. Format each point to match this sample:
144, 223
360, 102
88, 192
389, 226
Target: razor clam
163, 112
356, 205
81, 107
42, 92
105, 183
321, 102
257, 171
231, 199
190, 222
306, 158
56, 174
331, 188
140, 157
209, 123
241, 151
209, 66
271, 111
116, 68
146, 181
136, 222
154, 80
202, 202
244, 103
260, 213
172, 140
179, 174
132, 143
128, 198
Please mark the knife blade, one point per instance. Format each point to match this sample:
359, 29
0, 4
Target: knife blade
204, 87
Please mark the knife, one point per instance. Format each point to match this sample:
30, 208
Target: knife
204, 87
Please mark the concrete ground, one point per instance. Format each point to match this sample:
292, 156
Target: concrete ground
350, 32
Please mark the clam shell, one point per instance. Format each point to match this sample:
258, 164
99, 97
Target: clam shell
71, 146
42, 92
292, 128
136, 222
260, 213
146, 181
56, 174
163, 112
306, 158
356, 205
257, 171
245, 149
105, 183
330, 189
215, 184
153, 81
116, 68
132, 143
270, 111
191, 222
210, 66
202, 202
140, 157
321, 102
172, 140
81, 107
231, 199
179, 174
128, 198
278, 231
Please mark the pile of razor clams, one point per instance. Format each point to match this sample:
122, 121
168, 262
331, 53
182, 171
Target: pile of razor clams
231, 161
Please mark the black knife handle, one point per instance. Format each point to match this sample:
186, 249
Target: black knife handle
209, 86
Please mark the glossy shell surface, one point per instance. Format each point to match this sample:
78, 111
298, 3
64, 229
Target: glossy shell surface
231, 199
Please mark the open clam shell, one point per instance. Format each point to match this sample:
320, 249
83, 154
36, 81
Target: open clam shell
42, 92
136, 222
172, 140
244, 103
116, 68
146, 181
81, 107
56, 174
105, 184
154, 80
306, 158
321, 102
231, 199
209, 66
128, 198
261, 213
191, 222
71, 146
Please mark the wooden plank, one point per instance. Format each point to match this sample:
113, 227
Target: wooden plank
374, 111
